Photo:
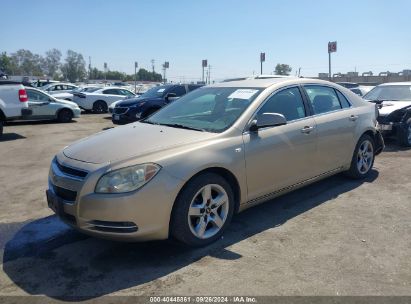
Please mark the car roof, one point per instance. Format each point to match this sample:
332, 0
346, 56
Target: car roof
396, 83
268, 82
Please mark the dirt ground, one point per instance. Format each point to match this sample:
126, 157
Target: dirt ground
335, 237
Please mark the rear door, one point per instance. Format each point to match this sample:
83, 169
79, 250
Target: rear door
335, 122
281, 156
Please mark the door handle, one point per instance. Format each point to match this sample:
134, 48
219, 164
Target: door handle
353, 117
307, 129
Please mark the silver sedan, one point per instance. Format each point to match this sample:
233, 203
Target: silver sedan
45, 106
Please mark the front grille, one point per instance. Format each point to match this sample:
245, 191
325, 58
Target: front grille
65, 194
382, 119
120, 110
71, 171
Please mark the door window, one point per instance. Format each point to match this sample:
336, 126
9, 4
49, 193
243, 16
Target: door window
178, 90
344, 102
36, 96
287, 102
126, 93
322, 99
111, 92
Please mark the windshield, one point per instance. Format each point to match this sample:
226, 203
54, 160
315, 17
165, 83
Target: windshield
206, 109
89, 89
390, 92
154, 92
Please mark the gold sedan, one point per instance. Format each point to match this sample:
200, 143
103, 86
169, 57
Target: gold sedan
185, 170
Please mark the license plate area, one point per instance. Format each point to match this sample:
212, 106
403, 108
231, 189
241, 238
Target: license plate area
55, 203
116, 117
385, 127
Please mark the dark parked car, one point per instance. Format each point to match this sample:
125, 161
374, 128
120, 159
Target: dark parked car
134, 109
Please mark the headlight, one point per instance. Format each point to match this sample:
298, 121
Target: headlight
127, 179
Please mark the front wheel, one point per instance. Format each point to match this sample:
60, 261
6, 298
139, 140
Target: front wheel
100, 107
363, 158
203, 210
65, 116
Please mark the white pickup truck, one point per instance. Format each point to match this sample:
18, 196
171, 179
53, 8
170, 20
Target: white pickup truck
13, 102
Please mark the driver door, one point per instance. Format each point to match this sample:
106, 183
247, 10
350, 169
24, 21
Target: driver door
281, 156
39, 104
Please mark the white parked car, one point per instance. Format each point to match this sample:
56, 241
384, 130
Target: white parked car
99, 100
394, 100
46, 106
13, 102
69, 95
60, 87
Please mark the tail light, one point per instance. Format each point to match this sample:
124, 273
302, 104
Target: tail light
23, 95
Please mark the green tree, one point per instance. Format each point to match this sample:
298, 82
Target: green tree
27, 63
51, 62
282, 69
6, 64
75, 67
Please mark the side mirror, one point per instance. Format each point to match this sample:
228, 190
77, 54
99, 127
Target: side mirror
267, 120
170, 96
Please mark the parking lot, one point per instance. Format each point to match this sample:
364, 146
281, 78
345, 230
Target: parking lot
335, 237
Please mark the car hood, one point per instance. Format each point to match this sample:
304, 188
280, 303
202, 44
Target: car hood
390, 106
68, 103
132, 140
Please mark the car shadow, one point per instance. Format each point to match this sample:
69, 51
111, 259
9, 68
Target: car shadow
11, 136
45, 257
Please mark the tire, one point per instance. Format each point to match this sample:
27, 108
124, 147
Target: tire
100, 107
196, 219
404, 136
1, 128
65, 116
363, 158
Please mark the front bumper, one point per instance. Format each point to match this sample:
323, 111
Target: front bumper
390, 129
76, 113
139, 215
131, 115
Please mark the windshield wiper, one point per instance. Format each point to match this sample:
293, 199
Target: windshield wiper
182, 127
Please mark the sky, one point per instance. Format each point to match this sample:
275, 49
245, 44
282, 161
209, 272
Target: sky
371, 34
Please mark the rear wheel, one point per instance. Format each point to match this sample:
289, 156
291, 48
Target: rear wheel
405, 134
363, 158
65, 116
100, 107
203, 210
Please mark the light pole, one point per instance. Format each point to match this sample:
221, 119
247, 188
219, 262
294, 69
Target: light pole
105, 73
332, 48
166, 65
135, 76
204, 65
262, 59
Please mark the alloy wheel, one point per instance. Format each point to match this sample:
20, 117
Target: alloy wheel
208, 211
365, 157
